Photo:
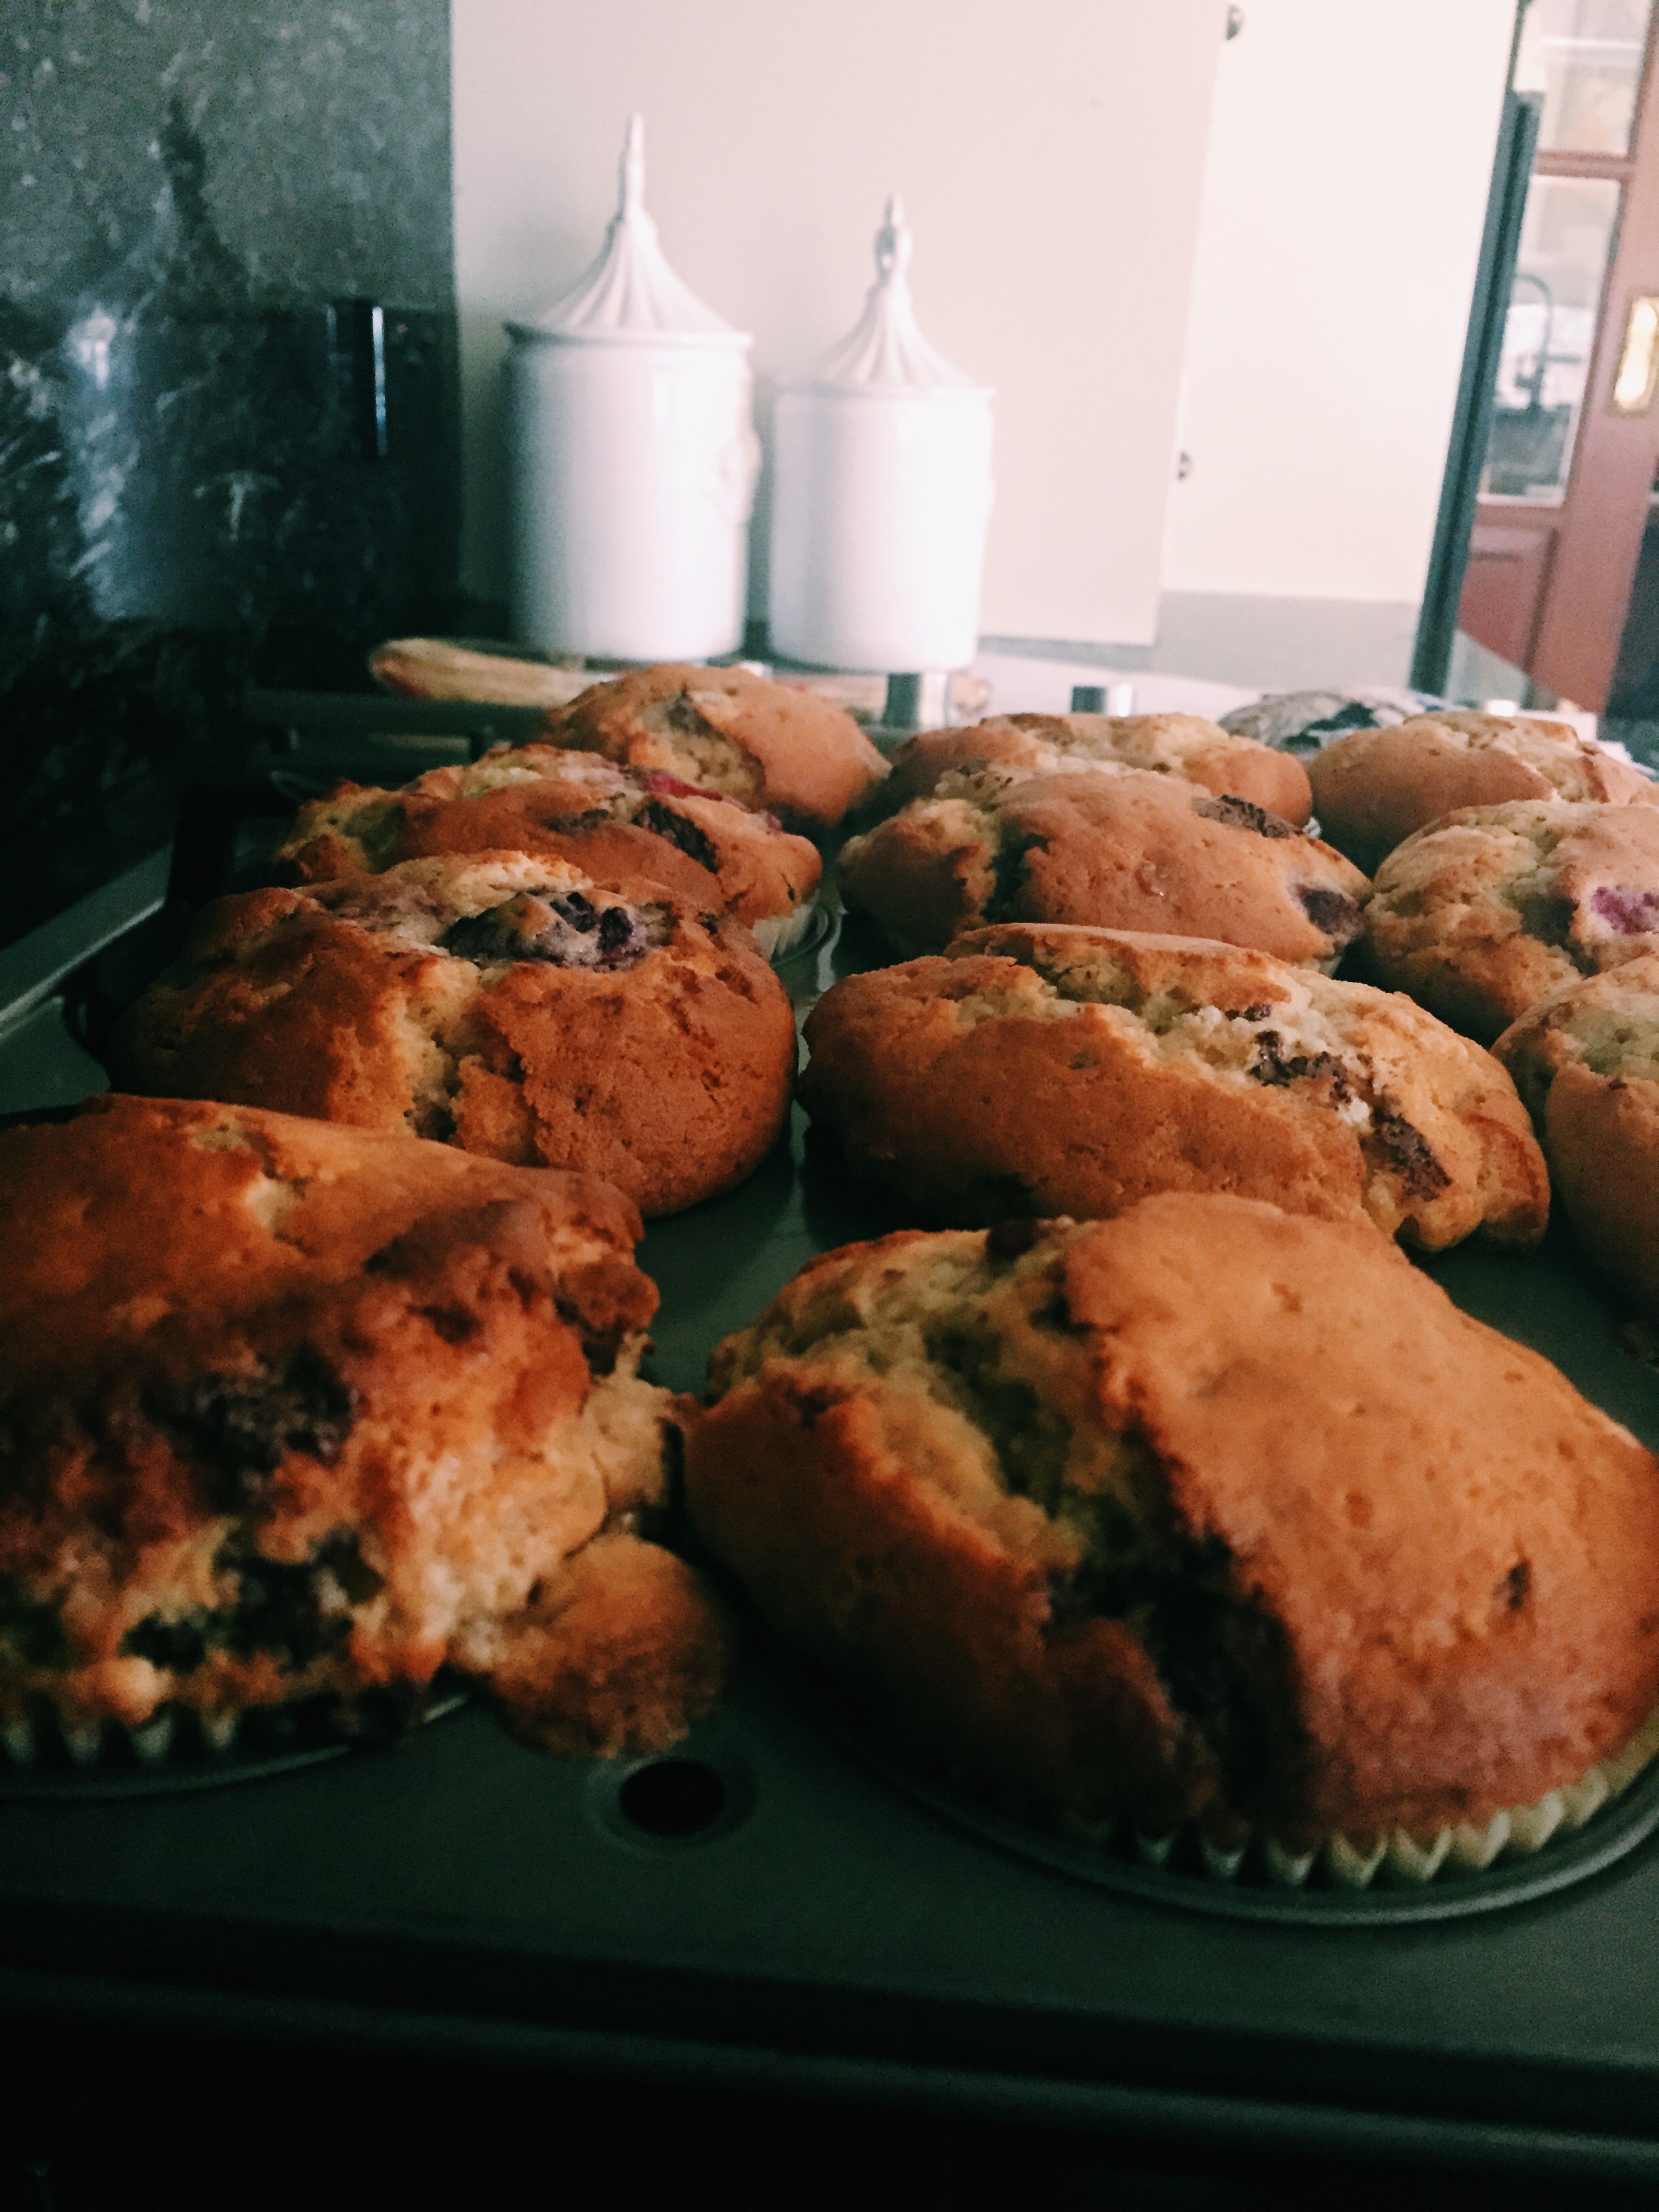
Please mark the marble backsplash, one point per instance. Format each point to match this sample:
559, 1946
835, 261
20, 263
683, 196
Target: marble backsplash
228, 405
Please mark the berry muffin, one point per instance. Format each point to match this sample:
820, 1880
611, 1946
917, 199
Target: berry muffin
1585, 1059
1120, 849
1209, 1513
1480, 914
292, 1413
1181, 745
1373, 788
1045, 1069
723, 729
500, 1001
1303, 721
622, 828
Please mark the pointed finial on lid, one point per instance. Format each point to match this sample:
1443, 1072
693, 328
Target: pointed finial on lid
632, 196
892, 242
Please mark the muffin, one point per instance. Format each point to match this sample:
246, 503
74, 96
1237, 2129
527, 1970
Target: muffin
1120, 849
1209, 1513
1373, 788
1182, 745
1303, 721
724, 730
293, 1413
500, 1001
1585, 1059
1482, 914
1045, 1069
624, 827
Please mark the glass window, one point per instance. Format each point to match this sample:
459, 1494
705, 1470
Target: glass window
1585, 57
1566, 236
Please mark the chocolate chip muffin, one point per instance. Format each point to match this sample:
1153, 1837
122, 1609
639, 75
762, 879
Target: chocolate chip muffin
1585, 1059
625, 828
292, 1412
1182, 745
1120, 849
1480, 914
1373, 788
723, 729
1210, 1513
1043, 1069
500, 1001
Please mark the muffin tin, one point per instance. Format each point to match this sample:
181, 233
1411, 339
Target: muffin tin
784, 1903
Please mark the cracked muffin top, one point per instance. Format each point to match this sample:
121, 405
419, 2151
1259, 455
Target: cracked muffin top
500, 1001
726, 730
1481, 913
1182, 745
1373, 788
1585, 1059
1047, 1069
289, 1411
1207, 1512
623, 827
1120, 849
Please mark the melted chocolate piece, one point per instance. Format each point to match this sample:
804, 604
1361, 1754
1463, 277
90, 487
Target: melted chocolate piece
1272, 1064
1245, 814
1407, 1151
1547, 915
296, 1610
245, 1425
680, 831
1008, 874
1339, 916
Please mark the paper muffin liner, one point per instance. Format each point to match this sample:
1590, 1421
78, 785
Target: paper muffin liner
44, 1742
1350, 1862
779, 935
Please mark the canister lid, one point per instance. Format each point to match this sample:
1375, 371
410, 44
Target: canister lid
884, 352
630, 295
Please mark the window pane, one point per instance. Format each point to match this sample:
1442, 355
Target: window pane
1585, 57
1566, 235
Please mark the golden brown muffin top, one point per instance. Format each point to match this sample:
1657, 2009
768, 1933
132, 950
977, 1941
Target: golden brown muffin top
769, 745
622, 826
1184, 745
1331, 1555
1373, 788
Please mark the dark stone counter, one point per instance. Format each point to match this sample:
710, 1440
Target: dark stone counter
229, 418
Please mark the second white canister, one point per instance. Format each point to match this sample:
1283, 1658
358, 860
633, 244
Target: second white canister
633, 457
882, 494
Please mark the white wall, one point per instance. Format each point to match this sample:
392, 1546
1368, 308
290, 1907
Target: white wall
1051, 156
1343, 204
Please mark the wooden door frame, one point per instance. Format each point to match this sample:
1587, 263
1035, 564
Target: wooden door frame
1598, 527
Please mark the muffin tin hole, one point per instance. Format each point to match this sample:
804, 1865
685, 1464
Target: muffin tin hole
671, 1798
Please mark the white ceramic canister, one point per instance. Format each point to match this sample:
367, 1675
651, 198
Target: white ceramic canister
882, 494
633, 457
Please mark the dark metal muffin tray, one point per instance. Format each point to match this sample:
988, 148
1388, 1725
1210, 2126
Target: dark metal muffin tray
774, 1907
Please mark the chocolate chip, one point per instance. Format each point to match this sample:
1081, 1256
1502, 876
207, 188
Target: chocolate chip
1339, 916
1515, 1587
1008, 873
1257, 1013
680, 831
1272, 1064
1408, 1153
297, 1612
1244, 814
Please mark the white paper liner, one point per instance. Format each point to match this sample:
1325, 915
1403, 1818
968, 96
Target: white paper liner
1520, 1832
174, 1734
778, 935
